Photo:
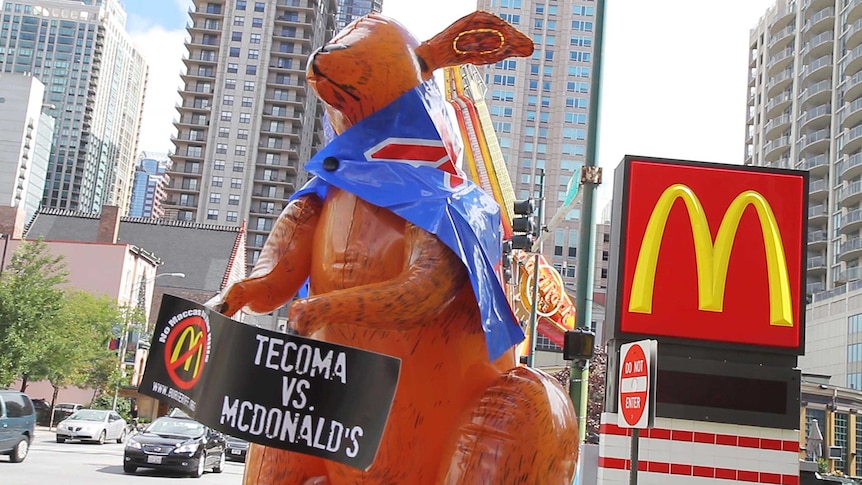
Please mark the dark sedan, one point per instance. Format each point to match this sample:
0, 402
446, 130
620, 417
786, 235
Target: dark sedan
176, 443
237, 449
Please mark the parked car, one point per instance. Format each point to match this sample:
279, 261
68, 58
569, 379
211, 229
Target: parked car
43, 411
237, 448
97, 425
178, 443
17, 424
64, 410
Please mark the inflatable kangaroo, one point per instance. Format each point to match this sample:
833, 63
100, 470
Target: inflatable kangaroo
381, 283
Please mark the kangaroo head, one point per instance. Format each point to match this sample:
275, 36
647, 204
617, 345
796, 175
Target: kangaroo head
374, 60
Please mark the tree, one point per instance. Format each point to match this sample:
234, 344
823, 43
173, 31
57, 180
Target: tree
598, 379
30, 298
76, 350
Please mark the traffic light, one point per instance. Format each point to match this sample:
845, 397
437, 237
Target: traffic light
524, 225
507, 261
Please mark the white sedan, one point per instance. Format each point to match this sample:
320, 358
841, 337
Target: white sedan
97, 425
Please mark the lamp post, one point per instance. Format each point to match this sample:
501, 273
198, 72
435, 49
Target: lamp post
124, 338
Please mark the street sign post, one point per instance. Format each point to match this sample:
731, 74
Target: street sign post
636, 393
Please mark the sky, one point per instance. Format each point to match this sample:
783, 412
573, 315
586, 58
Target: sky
674, 73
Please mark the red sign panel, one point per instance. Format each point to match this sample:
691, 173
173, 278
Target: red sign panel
713, 252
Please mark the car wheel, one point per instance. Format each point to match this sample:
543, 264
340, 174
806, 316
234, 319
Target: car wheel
102, 436
122, 436
61, 440
129, 468
20, 451
199, 471
220, 465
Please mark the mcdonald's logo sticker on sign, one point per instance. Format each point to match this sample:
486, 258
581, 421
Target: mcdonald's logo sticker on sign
187, 339
712, 252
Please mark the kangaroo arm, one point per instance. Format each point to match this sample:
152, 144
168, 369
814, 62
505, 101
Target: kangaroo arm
432, 277
283, 265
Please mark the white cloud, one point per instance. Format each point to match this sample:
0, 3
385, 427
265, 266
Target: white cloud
163, 50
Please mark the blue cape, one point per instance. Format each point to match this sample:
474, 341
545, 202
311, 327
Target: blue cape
396, 159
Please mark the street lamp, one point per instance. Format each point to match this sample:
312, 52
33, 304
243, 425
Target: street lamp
124, 338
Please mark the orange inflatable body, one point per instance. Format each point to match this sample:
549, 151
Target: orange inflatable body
379, 283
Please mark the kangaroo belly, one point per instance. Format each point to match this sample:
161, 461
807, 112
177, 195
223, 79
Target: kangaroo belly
356, 244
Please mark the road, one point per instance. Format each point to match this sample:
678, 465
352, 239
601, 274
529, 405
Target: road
74, 463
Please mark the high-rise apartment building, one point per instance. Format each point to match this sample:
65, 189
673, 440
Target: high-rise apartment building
25, 142
246, 124
539, 107
148, 189
94, 86
805, 112
350, 10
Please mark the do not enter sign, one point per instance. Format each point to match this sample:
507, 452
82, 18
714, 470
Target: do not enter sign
635, 404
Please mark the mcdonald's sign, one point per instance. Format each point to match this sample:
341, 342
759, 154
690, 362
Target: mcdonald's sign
710, 252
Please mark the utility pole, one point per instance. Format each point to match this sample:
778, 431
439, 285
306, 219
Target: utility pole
579, 373
537, 249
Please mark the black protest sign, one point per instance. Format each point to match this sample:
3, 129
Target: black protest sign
271, 388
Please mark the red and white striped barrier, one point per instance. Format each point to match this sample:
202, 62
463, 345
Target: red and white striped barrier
678, 451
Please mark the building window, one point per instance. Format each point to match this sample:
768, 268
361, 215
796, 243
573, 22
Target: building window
257, 22
841, 440
245, 117
218, 165
238, 166
230, 83
251, 70
248, 86
218, 181
239, 150
235, 183
224, 132
242, 134
226, 115
231, 216
239, 20
233, 199
236, 36
232, 67
234, 52
215, 198
253, 54
227, 100
258, 6
212, 214
240, 4
855, 322
221, 147
254, 38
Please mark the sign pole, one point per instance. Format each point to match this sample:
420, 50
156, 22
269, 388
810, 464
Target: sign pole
636, 437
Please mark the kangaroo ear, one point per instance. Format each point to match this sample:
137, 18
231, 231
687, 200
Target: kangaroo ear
479, 38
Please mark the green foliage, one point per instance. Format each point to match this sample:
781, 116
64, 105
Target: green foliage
50, 333
106, 401
30, 299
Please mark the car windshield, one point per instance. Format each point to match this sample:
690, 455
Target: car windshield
89, 415
179, 427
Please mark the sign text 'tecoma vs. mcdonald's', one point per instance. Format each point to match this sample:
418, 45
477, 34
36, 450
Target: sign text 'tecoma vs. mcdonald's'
714, 252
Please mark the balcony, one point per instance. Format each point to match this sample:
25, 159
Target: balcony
818, 69
851, 249
782, 37
783, 17
818, 165
778, 124
821, 44
817, 117
778, 103
817, 239
851, 221
780, 60
816, 264
851, 167
203, 105
854, 11
214, 11
853, 139
816, 142
853, 60
818, 214
818, 92
775, 147
851, 194
779, 82
817, 189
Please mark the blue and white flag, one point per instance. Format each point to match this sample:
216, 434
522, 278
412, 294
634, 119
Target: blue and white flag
396, 159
